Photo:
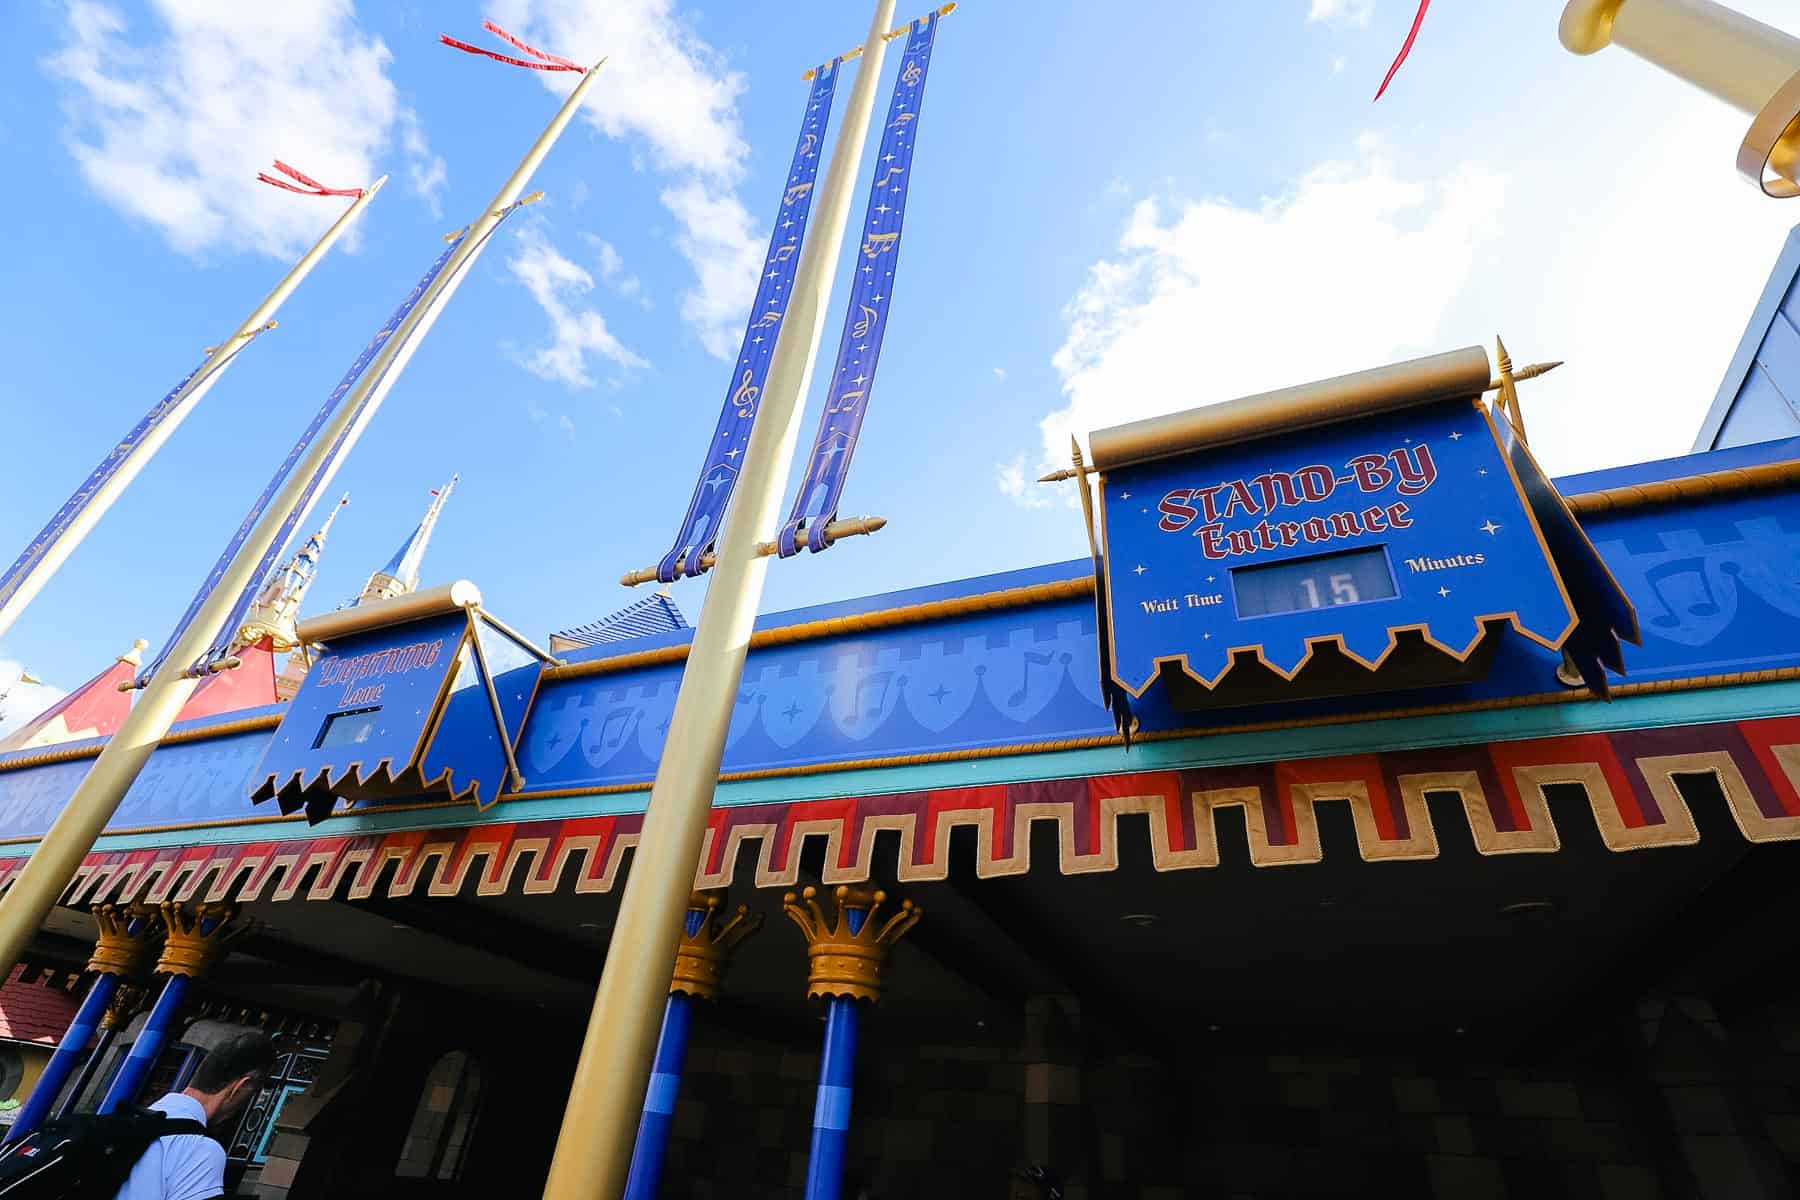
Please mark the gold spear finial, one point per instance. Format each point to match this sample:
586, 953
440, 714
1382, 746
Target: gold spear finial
1508, 400
1506, 381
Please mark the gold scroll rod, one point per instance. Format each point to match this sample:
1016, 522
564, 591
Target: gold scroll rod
889, 36
848, 527
1506, 376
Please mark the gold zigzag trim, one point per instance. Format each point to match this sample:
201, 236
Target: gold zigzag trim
1095, 742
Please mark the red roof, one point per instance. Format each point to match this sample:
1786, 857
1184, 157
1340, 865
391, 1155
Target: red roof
249, 686
31, 1012
95, 709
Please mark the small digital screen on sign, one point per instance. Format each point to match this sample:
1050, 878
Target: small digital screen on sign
1324, 581
347, 728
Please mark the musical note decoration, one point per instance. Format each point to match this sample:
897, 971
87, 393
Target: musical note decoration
222, 639
719, 472
871, 295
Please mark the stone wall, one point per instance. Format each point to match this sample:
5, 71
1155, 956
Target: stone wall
1671, 1102
928, 1120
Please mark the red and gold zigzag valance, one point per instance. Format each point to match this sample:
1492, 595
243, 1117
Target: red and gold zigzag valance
1630, 779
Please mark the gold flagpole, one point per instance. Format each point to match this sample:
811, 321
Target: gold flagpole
593, 1151
51, 554
600, 1121
1749, 65
54, 861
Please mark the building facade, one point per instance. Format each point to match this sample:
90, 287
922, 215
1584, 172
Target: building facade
1489, 936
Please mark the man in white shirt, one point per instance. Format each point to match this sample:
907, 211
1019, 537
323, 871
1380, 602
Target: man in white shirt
191, 1166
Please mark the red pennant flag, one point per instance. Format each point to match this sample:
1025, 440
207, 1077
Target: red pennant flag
547, 62
1405, 48
312, 186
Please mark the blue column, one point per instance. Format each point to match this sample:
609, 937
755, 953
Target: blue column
89, 1069
837, 1072
831, 1111
149, 1044
68, 1055
659, 1102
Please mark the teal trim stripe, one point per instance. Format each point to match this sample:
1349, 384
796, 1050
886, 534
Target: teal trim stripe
1316, 741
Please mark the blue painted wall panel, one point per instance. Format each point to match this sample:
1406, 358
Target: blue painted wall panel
1717, 587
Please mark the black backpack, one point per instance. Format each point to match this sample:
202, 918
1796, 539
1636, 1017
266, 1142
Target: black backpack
84, 1156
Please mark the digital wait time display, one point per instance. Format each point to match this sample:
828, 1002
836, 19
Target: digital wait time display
1322, 581
347, 728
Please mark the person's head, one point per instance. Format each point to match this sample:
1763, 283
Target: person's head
229, 1077
1036, 1183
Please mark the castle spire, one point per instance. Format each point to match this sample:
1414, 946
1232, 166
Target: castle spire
401, 575
276, 608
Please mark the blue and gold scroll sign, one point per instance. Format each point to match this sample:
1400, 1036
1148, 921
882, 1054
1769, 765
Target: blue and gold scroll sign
719, 472
1377, 531
871, 299
419, 696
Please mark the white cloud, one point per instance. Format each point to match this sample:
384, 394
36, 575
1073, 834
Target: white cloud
1342, 12
663, 83
1022, 488
671, 92
1000, 374
1646, 322
1207, 300
612, 266
558, 284
170, 125
716, 236
21, 701
427, 172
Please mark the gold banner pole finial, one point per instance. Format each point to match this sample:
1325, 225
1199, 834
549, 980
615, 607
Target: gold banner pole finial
846, 527
812, 73
1087, 499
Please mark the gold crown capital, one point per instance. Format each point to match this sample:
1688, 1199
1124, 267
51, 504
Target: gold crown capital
846, 955
702, 955
117, 949
196, 937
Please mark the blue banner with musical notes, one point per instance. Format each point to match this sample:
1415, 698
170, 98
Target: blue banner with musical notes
871, 295
719, 475
223, 637
58, 525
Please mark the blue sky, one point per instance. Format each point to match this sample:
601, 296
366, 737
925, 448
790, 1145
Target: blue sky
1117, 210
